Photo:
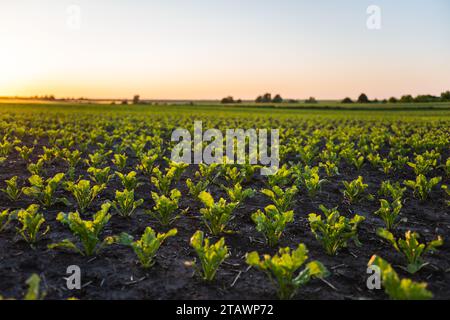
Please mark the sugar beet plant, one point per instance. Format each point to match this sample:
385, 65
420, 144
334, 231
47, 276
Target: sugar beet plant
34, 291
5, 219
355, 190
44, 191
83, 193
237, 194
31, 224
396, 288
100, 176
389, 212
411, 248
216, 215
147, 246
283, 269
422, 186
87, 232
282, 199
12, 190
165, 207
335, 230
129, 181
271, 223
211, 256
125, 204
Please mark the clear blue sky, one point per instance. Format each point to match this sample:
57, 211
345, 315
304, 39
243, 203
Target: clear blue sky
208, 49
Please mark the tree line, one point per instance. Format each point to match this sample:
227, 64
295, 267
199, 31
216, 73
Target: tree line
444, 97
363, 98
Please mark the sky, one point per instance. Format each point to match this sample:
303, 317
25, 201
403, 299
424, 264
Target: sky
208, 49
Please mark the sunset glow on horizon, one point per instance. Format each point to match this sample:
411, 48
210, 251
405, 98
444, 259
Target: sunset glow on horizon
178, 49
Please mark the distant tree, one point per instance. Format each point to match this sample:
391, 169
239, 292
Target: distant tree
136, 99
311, 100
426, 98
267, 97
376, 101
277, 99
363, 98
445, 96
384, 101
407, 99
239, 101
292, 101
393, 100
347, 100
124, 101
227, 100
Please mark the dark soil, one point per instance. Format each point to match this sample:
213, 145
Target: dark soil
115, 274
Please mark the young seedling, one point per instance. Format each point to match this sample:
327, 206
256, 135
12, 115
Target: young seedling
49, 155
237, 194
331, 169
411, 248
87, 231
124, 204
31, 222
6, 147
24, 152
313, 184
283, 269
302, 174
146, 247
422, 165
161, 181
282, 199
447, 191
196, 188
282, 178
129, 181
233, 175
335, 230
355, 190
147, 163
177, 168
83, 193
389, 213
357, 161
165, 207
396, 288
12, 190
98, 158
272, 223
99, 176
307, 153
120, 160
422, 187
34, 291
392, 190
211, 256
207, 172
72, 158
44, 191
36, 168
216, 215
5, 219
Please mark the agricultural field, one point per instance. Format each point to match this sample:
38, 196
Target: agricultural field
93, 186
